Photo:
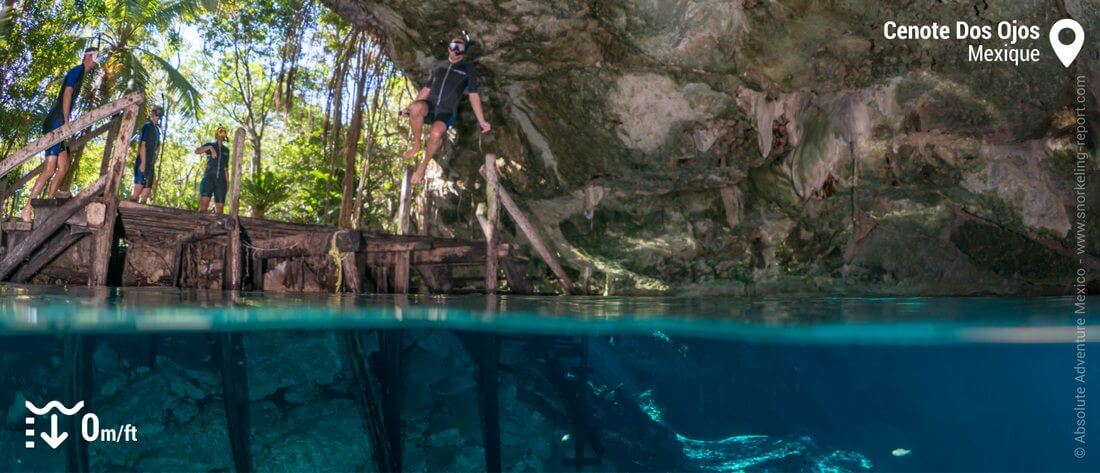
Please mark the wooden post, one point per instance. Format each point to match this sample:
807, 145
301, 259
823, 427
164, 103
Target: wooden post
401, 271
108, 148
349, 260
403, 206
492, 223
533, 236
233, 260
105, 235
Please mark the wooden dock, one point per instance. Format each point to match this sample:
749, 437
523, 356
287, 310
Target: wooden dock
94, 238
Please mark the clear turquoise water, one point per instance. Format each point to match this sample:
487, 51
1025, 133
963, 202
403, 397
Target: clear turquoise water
703, 384
27, 310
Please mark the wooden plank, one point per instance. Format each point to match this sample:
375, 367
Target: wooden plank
306, 244
233, 259
535, 238
373, 246
17, 253
406, 200
104, 237
69, 129
471, 254
492, 223
57, 245
18, 226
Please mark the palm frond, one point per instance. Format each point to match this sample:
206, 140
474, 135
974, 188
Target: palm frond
187, 95
7, 17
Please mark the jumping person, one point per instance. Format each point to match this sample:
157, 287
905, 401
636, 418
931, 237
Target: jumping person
57, 156
214, 183
145, 164
437, 103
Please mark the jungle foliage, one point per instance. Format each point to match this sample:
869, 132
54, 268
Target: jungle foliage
316, 97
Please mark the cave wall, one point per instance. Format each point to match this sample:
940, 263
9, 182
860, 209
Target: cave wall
755, 147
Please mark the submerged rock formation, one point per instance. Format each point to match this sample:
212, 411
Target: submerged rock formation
756, 146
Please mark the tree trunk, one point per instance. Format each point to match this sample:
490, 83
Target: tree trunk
355, 131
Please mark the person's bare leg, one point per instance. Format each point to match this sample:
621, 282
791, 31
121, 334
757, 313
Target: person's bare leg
43, 178
145, 195
62, 168
135, 195
417, 112
219, 208
435, 141
204, 203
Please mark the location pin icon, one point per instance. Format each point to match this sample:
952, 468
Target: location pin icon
1067, 52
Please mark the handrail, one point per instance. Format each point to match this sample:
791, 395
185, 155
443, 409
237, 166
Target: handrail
68, 130
79, 141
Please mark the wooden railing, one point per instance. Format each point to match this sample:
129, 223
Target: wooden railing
107, 185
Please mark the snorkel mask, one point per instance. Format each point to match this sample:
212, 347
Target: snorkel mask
457, 46
94, 53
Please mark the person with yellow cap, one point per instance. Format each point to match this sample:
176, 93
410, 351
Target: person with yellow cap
214, 178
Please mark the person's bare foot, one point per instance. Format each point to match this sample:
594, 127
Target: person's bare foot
412, 152
417, 176
26, 214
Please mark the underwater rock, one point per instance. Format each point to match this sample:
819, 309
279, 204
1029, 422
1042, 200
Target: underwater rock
17, 411
326, 435
280, 360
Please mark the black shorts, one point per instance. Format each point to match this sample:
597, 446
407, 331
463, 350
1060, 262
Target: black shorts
214, 186
57, 148
144, 178
447, 117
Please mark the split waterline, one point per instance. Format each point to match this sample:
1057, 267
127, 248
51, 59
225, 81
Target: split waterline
37, 309
640, 384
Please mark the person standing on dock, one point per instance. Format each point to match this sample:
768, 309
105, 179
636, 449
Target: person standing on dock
214, 183
57, 156
145, 165
437, 103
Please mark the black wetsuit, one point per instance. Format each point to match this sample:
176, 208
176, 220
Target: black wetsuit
150, 136
214, 182
448, 82
75, 79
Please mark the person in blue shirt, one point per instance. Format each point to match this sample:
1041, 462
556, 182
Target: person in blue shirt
57, 156
214, 183
144, 165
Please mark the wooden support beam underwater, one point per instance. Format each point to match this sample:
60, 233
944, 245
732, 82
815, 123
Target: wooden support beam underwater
234, 376
77, 351
368, 401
